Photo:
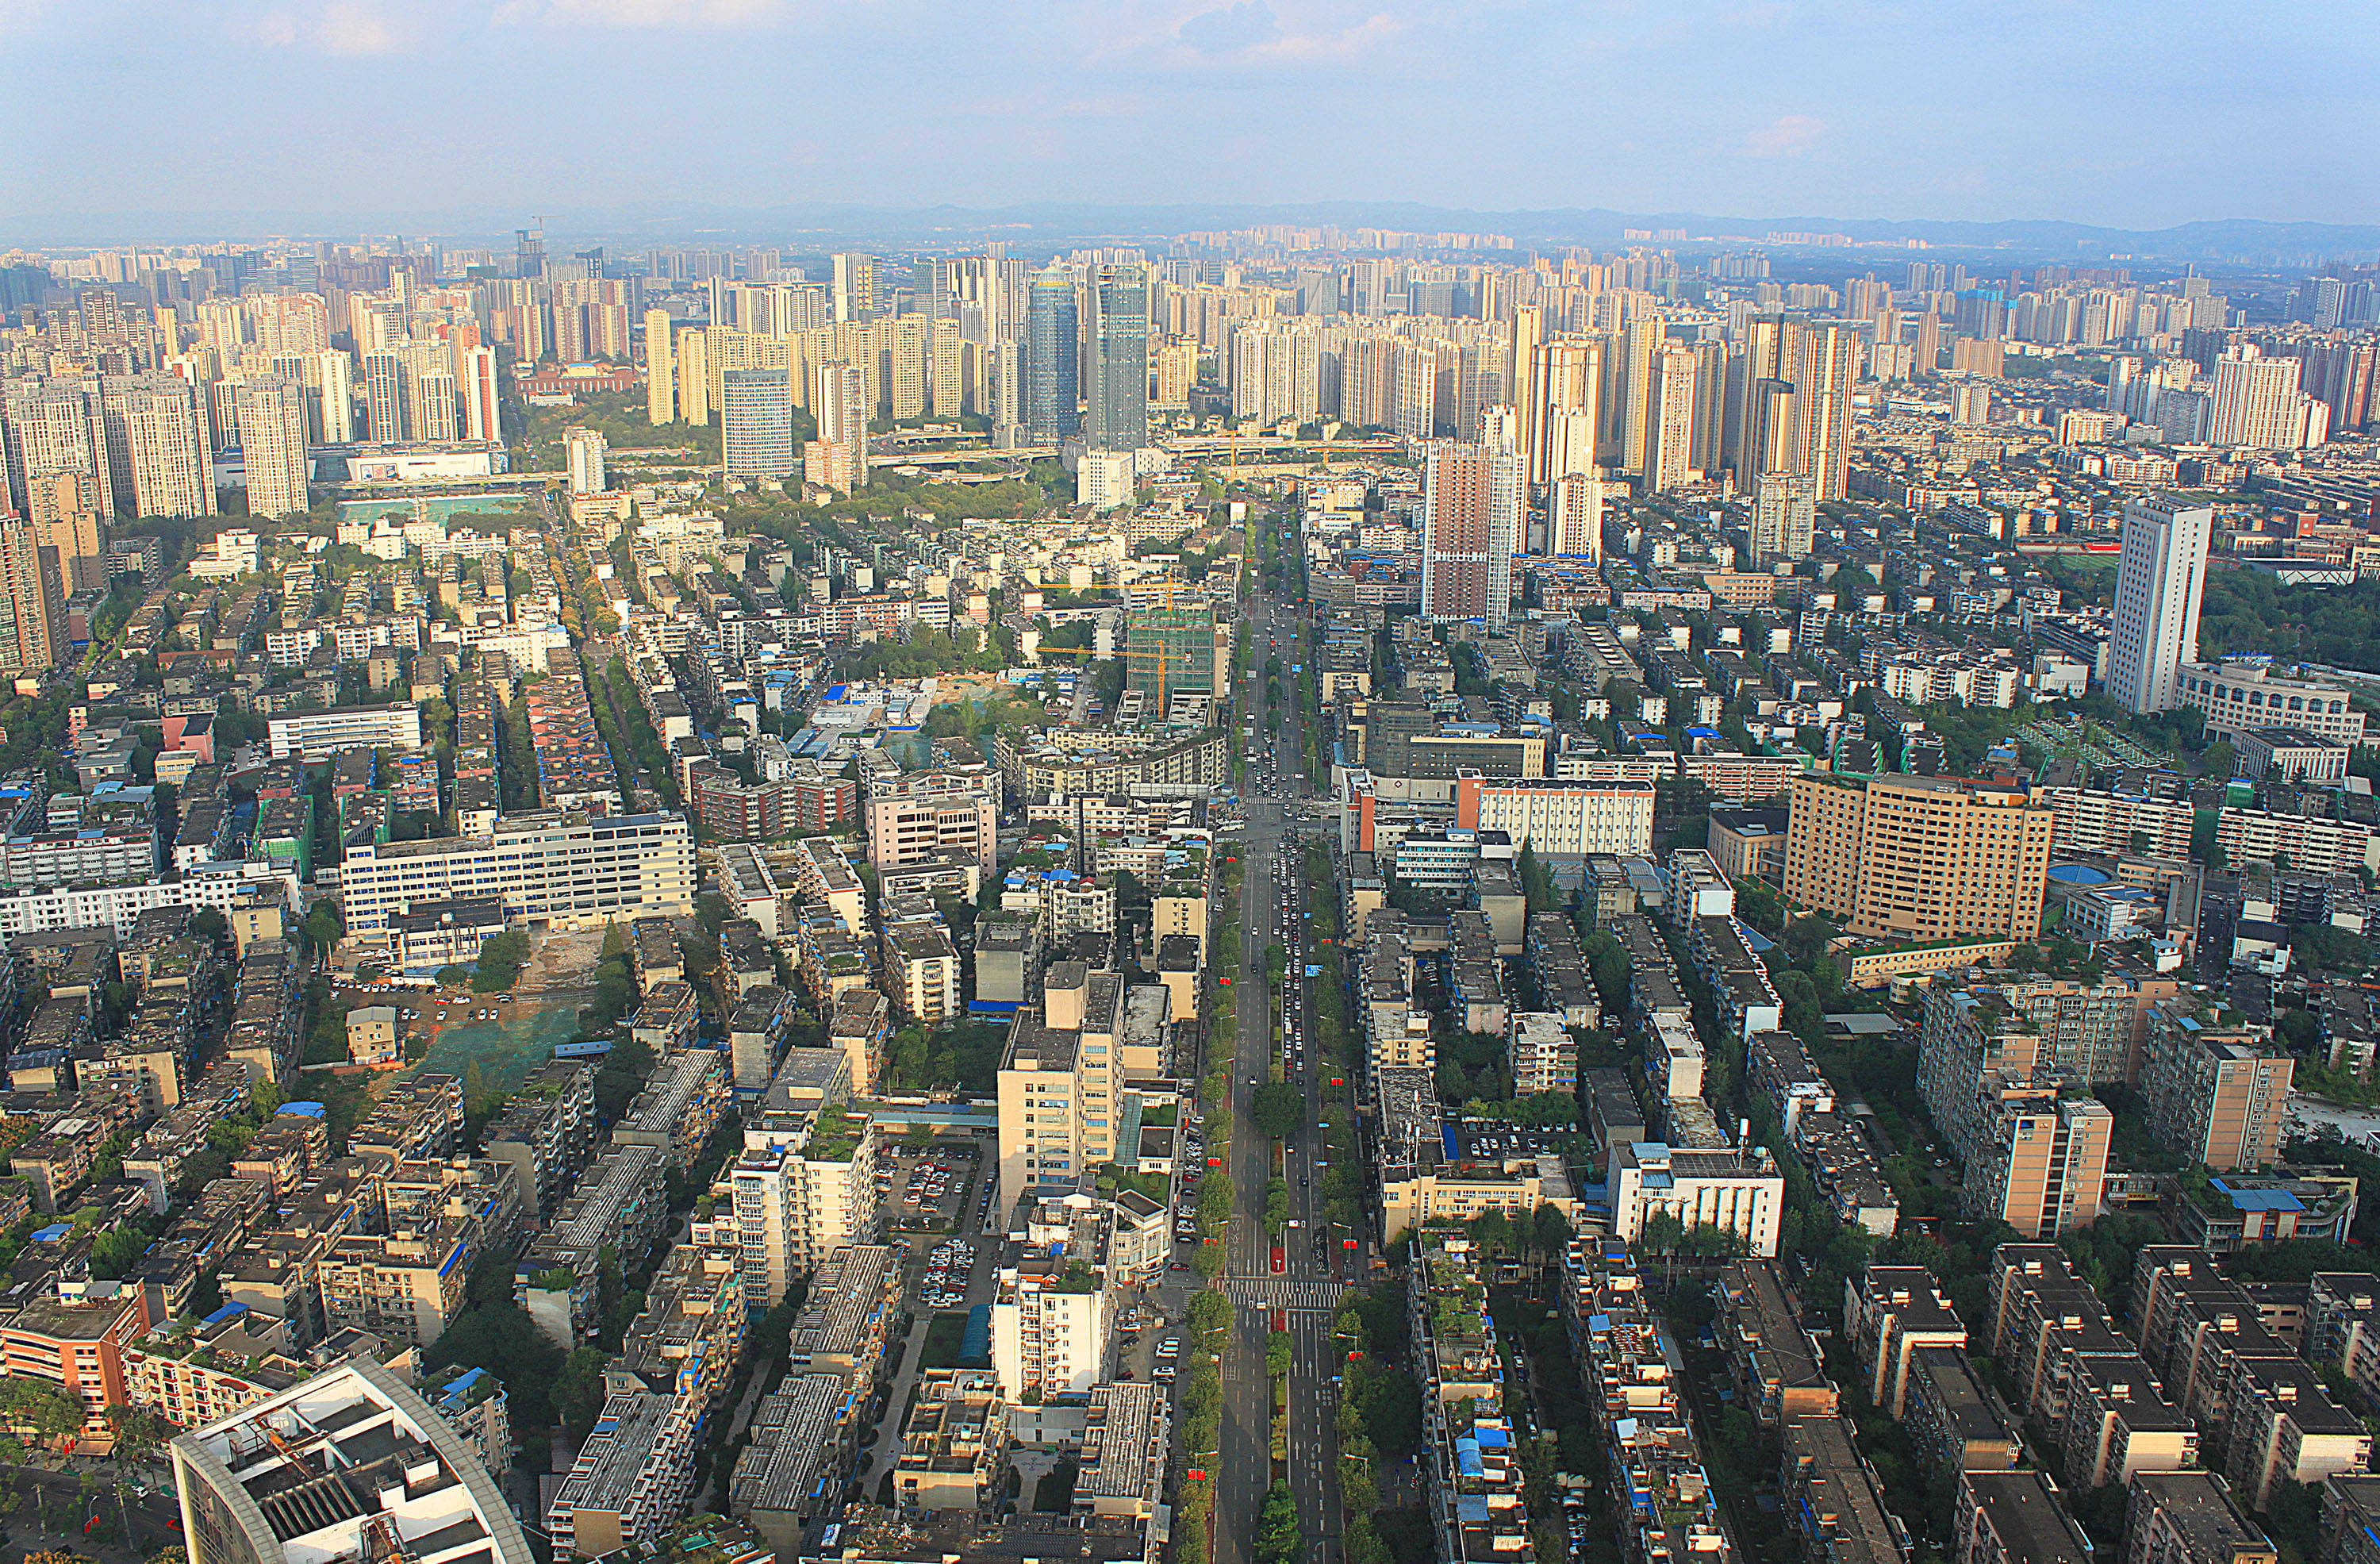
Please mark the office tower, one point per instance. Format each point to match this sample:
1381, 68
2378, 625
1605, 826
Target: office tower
1575, 520
693, 350
1669, 443
1918, 857
838, 458
51, 429
173, 467
660, 395
2257, 400
756, 430
856, 298
2159, 580
271, 414
1784, 518
1563, 403
584, 450
1971, 405
1052, 410
385, 385
1118, 414
33, 618
1472, 503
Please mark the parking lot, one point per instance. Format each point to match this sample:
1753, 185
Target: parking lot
926, 1191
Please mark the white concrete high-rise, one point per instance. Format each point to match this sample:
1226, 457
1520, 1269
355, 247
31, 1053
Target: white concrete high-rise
332, 382
585, 450
2158, 584
1576, 518
2256, 401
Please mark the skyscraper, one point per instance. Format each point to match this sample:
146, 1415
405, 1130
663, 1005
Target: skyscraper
481, 395
32, 610
51, 430
1563, 403
1052, 410
756, 430
2256, 401
270, 415
1474, 498
2158, 583
1118, 416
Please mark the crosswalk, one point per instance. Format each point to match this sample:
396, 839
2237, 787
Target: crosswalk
1287, 1292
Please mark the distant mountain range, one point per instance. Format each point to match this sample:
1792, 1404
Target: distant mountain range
2235, 242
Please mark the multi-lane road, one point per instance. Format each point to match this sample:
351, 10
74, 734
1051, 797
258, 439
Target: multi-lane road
1301, 1296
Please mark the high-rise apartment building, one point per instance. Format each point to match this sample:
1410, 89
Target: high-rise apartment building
2257, 401
332, 379
1669, 445
479, 394
756, 428
32, 632
661, 385
1118, 414
2159, 580
1062, 1080
803, 1187
838, 458
173, 467
856, 298
2034, 1158
1784, 518
271, 414
1473, 506
1562, 407
1575, 520
52, 430
583, 451
1918, 857
2218, 1097
385, 387
1053, 408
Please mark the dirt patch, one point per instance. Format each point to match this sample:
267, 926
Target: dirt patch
955, 688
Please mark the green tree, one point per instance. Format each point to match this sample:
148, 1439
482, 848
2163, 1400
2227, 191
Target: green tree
1278, 1539
1277, 1108
578, 1393
1278, 1349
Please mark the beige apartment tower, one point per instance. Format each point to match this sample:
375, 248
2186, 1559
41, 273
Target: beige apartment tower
1918, 857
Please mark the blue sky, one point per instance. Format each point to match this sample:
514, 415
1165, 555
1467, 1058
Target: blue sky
2126, 115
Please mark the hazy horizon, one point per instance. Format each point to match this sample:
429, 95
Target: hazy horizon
1958, 112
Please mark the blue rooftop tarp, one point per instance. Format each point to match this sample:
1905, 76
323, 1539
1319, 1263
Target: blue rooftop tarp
229, 1311
309, 1110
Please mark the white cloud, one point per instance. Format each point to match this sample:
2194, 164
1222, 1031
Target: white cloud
355, 26
1789, 135
1228, 28
276, 30
1374, 28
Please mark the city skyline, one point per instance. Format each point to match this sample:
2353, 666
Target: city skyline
1726, 108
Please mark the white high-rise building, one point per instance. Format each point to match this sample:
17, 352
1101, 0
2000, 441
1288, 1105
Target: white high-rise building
2158, 583
1577, 513
271, 421
2256, 401
332, 379
585, 449
804, 1187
